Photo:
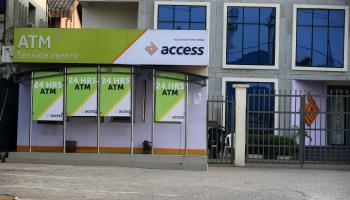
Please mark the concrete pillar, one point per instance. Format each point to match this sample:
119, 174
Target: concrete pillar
240, 124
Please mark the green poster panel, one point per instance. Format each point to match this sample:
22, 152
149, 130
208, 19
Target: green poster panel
170, 97
115, 92
47, 91
81, 91
57, 45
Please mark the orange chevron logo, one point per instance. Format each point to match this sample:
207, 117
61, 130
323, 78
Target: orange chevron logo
311, 110
151, 48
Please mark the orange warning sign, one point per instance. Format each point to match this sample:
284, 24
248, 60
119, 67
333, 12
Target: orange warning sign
311, 110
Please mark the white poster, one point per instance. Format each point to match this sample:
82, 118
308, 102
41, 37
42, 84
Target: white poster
168, 47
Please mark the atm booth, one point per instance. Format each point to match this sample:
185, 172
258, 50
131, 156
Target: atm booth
93, 92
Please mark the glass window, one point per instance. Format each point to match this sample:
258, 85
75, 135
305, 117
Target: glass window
320, 38
181, 17
264, 103
250, 35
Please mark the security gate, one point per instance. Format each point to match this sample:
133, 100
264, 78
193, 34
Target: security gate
298, 127
220, 126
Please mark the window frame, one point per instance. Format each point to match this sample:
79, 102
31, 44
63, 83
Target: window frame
346, 33
248, 80
181, 3
277, 33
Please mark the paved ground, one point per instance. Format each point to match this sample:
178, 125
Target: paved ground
29, 181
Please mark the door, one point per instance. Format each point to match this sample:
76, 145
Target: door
338, 108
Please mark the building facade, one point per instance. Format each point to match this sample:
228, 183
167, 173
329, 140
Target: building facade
272, 51
280, 45
150, 60
272, 46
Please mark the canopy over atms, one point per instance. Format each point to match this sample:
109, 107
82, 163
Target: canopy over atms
152, 79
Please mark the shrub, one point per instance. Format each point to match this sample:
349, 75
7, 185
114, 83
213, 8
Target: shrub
272, 145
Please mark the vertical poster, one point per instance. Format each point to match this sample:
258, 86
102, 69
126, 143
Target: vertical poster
170, 97
47, 96
115, 92
81, 91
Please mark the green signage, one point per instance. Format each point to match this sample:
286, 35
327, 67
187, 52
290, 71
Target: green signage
53, 45
170, 97
47, 96
115, 91
81, 91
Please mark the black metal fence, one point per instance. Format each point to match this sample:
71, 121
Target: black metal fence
298, 127
220, 126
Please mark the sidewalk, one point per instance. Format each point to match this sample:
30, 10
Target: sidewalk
34, 181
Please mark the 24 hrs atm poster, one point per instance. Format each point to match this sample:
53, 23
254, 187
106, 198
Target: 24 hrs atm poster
170, 97
47, 96
81, 91
115, 92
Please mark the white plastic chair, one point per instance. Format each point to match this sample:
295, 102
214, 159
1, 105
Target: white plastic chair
228, 146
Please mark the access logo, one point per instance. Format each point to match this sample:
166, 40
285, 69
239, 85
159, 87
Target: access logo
174, 50
151, 48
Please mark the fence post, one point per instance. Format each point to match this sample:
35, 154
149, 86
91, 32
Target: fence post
302, 131
240, 124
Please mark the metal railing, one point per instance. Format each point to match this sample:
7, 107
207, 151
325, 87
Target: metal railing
220, 126
298, 127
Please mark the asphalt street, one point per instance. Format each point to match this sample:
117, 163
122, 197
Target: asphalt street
34, 181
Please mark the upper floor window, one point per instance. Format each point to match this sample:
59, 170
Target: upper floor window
186, 16
251, 35
320, 37
31, 14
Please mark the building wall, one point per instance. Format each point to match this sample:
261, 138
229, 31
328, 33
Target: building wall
284, 73
18, 12
317, 88
110, 15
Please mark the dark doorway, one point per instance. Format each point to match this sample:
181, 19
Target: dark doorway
8, 115
338, 117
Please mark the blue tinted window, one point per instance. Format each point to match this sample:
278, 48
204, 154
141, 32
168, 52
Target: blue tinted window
264, 103
197, 26
250, 44
165, 25
304, 46
251, 15
181, 17
336, 18
304, 17
235, 14
320, 18
165, 13
319, 53
234, 43
182, 13
181, 26
336, 47
320, 38
250, 35
267, 16
198, 14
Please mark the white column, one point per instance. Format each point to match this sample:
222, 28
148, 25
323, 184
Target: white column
240, 124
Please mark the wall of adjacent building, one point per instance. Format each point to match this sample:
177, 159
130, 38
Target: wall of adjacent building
110, 15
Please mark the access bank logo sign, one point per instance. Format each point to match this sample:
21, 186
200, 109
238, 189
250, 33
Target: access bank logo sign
168, 47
